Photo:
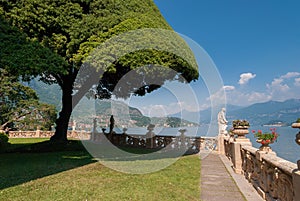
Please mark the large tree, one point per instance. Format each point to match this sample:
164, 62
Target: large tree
69, 31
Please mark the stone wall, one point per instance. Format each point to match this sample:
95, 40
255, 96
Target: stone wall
273, 177
48, 134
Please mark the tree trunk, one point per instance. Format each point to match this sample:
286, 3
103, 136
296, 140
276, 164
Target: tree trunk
66, 83
62, 122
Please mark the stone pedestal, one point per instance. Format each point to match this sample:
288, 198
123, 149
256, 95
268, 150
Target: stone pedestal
237, 156
221, 148
150, 137
150, 140
38, 132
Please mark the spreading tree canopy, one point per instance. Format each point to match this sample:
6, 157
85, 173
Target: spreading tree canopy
56, 39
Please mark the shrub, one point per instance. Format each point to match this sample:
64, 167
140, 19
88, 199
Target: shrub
3, 141
237, 123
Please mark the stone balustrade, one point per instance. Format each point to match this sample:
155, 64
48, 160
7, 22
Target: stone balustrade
270, 175
273, 177
208, 143
47, 134
151, 141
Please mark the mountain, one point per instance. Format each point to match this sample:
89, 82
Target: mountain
50, 94
204, 115
88, 109
267, 113
270, 112
124, 115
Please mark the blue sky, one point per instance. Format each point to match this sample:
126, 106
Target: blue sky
255, 46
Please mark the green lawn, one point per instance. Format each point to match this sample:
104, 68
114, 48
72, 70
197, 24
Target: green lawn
26, 140
17, 143
74, 175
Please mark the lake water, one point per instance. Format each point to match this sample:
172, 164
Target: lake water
285, 147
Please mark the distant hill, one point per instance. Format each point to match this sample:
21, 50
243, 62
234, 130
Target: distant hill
124, 115
270, 112
50, 94
204, 115
88, 109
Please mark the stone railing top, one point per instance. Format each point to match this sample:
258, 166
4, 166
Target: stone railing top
251, 149
207, 137
287, 166
284, 165
158, 135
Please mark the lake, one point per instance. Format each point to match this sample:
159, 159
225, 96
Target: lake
285, 147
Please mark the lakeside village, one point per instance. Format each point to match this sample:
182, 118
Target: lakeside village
103, 122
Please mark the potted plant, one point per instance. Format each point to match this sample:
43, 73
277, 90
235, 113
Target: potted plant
265, 138
240, 128
240, 124
296, 124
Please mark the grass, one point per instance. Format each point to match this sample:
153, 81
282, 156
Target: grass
26, 140
75, 175
16, 143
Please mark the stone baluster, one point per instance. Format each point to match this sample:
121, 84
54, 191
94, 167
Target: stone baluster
238, 143
37, 132
182, 138
150, 137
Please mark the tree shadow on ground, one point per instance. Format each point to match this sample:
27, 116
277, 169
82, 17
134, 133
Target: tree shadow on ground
26, 162
39, 160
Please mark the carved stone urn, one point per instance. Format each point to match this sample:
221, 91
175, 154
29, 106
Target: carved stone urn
240, 128
241, 131
264, 145
297, 125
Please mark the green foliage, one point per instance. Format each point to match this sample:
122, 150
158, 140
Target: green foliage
141, 121
73, 28
20, 108
242, 123
3, 141
265, 137
298, 120
24, 57
174, 122
53, 39
3, 138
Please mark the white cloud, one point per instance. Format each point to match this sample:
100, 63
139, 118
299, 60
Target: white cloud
258, 97
160, 110
245, 77
283, 88
241, 98
228, 88
218, 97
278, 84
290, 75
297, 82
155, 110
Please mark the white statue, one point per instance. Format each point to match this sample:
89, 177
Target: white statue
74, 125
222, 121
